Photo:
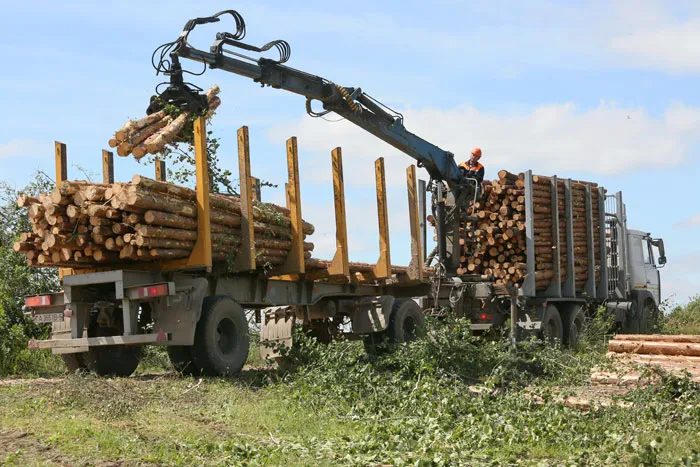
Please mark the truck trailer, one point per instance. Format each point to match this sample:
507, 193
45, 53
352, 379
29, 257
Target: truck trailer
196, 307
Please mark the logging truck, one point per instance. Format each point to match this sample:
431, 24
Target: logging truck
543, 253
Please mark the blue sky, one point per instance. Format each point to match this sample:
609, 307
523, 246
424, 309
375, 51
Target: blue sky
595, 90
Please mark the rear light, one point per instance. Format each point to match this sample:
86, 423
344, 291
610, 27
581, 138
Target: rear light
483, 316
151, 291
37, 300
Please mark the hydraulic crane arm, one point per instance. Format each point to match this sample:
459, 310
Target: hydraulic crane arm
350, 103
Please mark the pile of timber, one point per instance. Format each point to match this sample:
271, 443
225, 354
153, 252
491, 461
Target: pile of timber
83, 225
655, 344
495, 244
151, 134
677, 354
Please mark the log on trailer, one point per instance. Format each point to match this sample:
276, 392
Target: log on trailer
83, 224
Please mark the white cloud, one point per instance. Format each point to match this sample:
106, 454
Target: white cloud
550, 139
21, 147
690, 223
673, 47
555, 138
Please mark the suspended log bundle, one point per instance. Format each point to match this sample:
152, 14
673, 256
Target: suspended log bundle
83, 225
151, 134
493, 239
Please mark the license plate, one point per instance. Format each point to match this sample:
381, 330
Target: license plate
48, 317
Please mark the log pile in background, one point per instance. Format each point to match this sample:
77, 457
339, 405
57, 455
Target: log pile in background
678, 354
152, 133
82, 225
495, 244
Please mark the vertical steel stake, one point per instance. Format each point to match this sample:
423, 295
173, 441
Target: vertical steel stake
415, 267
340, 265
107, 167
383, 267
245, 259
294, 264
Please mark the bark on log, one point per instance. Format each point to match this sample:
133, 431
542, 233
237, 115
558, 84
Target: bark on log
659, 338
661, 348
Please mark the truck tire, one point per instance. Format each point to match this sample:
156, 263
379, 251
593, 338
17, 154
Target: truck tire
75, 361
407, 322
552, 326
111, 360
221, 341
118, 360
181, 357
574, 324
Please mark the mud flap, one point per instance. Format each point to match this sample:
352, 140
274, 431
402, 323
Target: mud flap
276, 330
372, 314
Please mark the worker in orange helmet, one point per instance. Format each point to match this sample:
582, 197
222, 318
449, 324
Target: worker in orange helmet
473, 168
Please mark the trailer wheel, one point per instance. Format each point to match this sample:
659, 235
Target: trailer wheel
181, 357
221, 341
118, 360
111, 360
74, 361
407, 322
552, 327
575, 322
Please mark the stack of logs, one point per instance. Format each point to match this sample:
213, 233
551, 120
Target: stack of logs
545, 248
82, 225
495, 244
677, 354
152, 133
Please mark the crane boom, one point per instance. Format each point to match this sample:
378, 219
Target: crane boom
350, 103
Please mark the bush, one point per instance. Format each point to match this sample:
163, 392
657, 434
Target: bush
15, 356
17, 279
683, 319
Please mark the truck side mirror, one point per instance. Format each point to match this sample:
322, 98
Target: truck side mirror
659, 243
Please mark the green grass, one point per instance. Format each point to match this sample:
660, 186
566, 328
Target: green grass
410, 405
182, 421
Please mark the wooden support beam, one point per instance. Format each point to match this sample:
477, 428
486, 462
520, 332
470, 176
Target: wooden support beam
245, 258
294, 264
61, 175
383, 267
161, 173
201, 256
340, 265
107, 166
415, 267
61, 162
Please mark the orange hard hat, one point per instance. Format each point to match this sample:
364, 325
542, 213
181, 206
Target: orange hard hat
476, 152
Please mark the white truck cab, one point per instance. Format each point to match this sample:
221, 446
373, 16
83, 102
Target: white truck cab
633, 263
646, 257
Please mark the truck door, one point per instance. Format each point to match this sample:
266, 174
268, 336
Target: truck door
652, 273
637, 270
643, 272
